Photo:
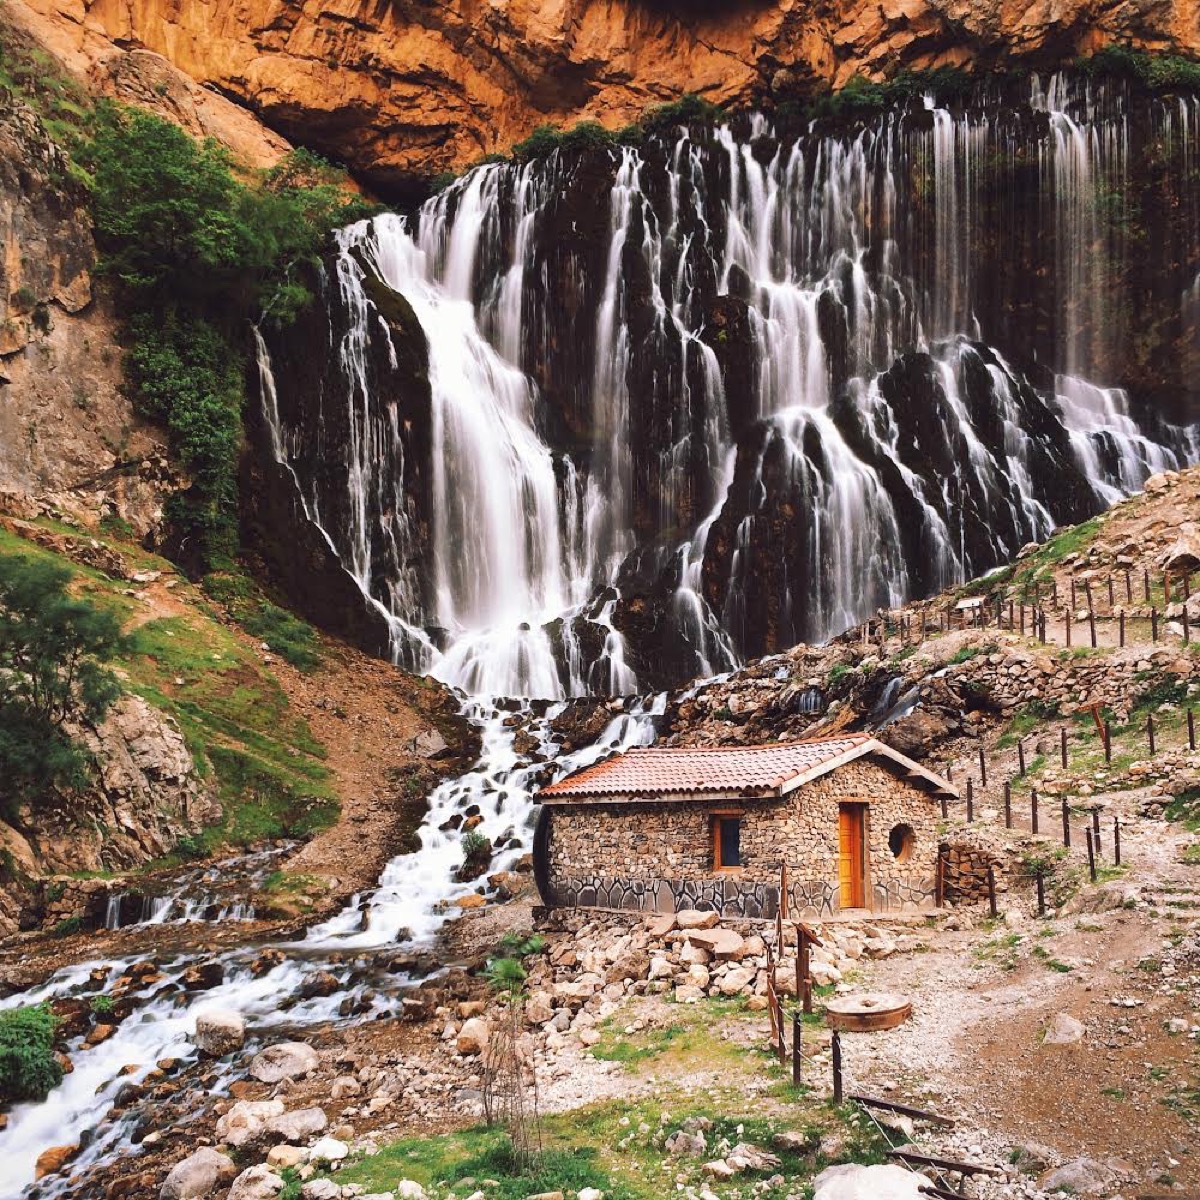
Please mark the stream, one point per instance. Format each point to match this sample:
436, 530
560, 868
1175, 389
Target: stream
412, 901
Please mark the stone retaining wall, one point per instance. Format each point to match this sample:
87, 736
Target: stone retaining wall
659, 856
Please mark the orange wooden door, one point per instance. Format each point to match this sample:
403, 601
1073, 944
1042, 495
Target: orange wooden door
850, 855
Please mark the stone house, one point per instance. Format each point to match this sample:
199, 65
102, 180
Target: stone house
843, 822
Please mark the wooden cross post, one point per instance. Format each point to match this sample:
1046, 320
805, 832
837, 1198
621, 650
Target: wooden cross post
805, 938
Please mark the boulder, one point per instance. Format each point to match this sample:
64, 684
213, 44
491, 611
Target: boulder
284, 1060
321, 1189
256, 1183
847, 1181
719, 1169
54, 1159
409, 1189
735, 981
473, 1036
298, 1126
1063, 1030
1080, 1177
328, 1150
719, 942
282, 1157
693, 918
219, 1031
246, 1121
747, 1157
198, 1175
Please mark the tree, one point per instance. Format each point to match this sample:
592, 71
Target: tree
52, 651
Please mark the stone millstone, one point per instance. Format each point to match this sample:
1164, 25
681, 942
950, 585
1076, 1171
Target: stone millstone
867, 1011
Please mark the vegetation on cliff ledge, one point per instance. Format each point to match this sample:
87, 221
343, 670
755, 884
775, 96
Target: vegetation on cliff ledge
199, 252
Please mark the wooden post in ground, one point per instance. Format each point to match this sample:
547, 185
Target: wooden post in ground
1022, 620
1117, 840
836, 1048
1092, 626
945, 807
982, 767
1128, 587
970, 801
1150, 731
1111, 594
1107, 742
1154, 624
1020, 758
1191, 722
1091, 849
1146, 585
1072, 591
1007, 804
992, 889
797, 1057
1062, 745
805, 938
1096, 829
1066, 815
1121, 627
1033, 809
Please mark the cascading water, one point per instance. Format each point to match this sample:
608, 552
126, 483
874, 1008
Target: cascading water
754, 382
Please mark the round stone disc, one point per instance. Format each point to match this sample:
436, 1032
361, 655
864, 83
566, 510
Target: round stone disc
866, 1011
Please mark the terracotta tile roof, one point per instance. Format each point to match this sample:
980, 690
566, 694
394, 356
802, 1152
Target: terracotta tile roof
728, 770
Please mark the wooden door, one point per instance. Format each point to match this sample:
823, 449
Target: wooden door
851, 850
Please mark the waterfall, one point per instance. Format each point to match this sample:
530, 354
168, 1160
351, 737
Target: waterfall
733, 388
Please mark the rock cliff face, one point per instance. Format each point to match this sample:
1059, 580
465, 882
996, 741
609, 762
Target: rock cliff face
404, 89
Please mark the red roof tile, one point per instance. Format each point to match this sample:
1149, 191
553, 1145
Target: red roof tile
728, 770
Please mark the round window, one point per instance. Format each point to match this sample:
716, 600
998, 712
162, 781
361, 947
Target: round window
901, 841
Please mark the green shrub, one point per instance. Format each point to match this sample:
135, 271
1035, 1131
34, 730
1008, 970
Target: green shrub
101, 1005
28, 1068
53, 651
287, 635
473, 843
1161, 72
68, 927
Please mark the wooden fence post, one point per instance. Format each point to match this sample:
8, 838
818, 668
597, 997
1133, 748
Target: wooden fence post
1092, 626
1150, 731
1091, 849
836, 1047
1096, 829
992, 889
982, 767
1111, 595
970, 801
797, 1057
1117, 840
1146, 585
1191, 726
1007, 804
1020, 758
1033, 809
1154, 624
1062, 745
1066, 815
1121, 627
1128, 587
1107, 742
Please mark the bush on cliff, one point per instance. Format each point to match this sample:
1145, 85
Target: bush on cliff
200, 249
28, 1068
53, 648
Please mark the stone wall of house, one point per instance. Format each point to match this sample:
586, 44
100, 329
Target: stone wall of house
659, 856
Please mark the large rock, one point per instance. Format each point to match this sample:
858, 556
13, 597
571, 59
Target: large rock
847, 1181
1080, 1177
299, 1125
720, 942
693, 918
256, 1183
473, 1036
198, 1175
1063, 1030
219, 1031
246, 1121
284, 1060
